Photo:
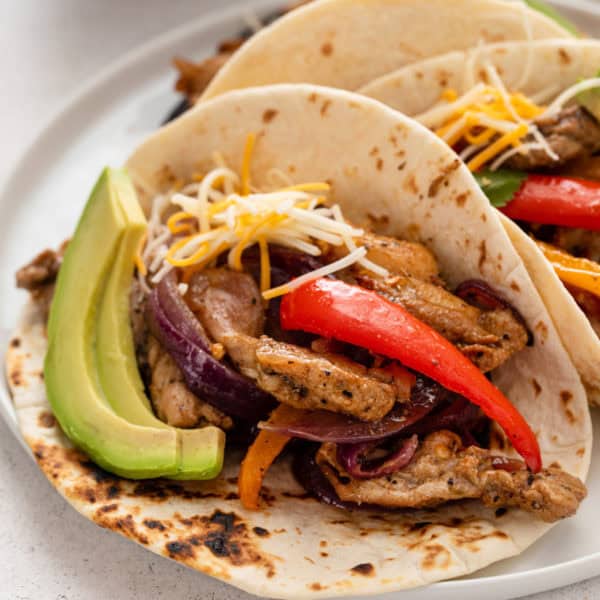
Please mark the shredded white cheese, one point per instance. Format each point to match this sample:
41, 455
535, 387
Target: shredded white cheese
221, 212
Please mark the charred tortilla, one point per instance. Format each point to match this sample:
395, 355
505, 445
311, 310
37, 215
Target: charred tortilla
416, 189
540, 69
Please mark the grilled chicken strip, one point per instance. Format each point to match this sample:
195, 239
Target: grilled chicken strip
41, 271
442, 470
229, 306
39, 275
572, 133
172, 400
226, 301
304, 379
397, 256
488, 338
195, 77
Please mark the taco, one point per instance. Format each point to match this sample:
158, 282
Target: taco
314, 264
545, 99
194, 77
346, 44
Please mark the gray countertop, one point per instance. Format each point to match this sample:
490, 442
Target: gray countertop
47, 551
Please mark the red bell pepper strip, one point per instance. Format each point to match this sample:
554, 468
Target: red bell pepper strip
553, 200
361, 317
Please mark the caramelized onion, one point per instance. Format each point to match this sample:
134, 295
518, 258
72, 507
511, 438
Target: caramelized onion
354, 458
311, 478
480, 294
324, 426
178, 331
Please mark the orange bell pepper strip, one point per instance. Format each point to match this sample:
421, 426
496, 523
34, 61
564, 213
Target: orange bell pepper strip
361, 317
267, 446
578, 272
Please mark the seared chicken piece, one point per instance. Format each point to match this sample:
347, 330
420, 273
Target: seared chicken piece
397, 256
39, 275
489, 338
195, 77
229, 306
572, 133
442, 470
172, 400
41, 271
226, 301
304, 379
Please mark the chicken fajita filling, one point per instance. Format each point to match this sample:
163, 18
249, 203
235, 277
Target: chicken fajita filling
538, 164
268, 314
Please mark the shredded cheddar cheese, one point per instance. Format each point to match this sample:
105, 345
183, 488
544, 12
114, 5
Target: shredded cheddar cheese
494, 149
139, 263
250, 141
487, 122
490, 124
223, 212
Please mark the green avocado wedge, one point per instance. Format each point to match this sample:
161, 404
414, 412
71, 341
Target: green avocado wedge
82, 399
201, 450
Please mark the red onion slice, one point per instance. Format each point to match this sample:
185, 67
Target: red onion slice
324, 426
204, 375
311, 478
480, 294
353, 458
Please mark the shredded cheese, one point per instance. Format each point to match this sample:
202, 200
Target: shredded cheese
222, 212
139, 263
572, 92
338, 265
506, 140
486, 120
250, 141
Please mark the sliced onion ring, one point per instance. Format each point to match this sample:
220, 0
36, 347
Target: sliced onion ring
204, 375
352, 457
324, 426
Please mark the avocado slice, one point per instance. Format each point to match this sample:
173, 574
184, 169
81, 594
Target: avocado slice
201, 450
81, 404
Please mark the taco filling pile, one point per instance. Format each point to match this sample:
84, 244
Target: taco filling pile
538, 163
270, 316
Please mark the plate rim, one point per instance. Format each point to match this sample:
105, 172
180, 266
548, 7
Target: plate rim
543, 578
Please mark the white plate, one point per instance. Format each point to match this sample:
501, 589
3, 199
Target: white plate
100, 125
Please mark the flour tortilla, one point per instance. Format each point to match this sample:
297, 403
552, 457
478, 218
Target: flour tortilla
389, 172
538, 69
347, 43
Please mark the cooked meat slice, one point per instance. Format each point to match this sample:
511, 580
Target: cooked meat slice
512, 337
397, 256
172, 400
226, 302
589, 304
489, 338
443, 470
585, 167
571, 133
579, 242
41, 271
137, 307
304, 379
195, 77
39, 276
